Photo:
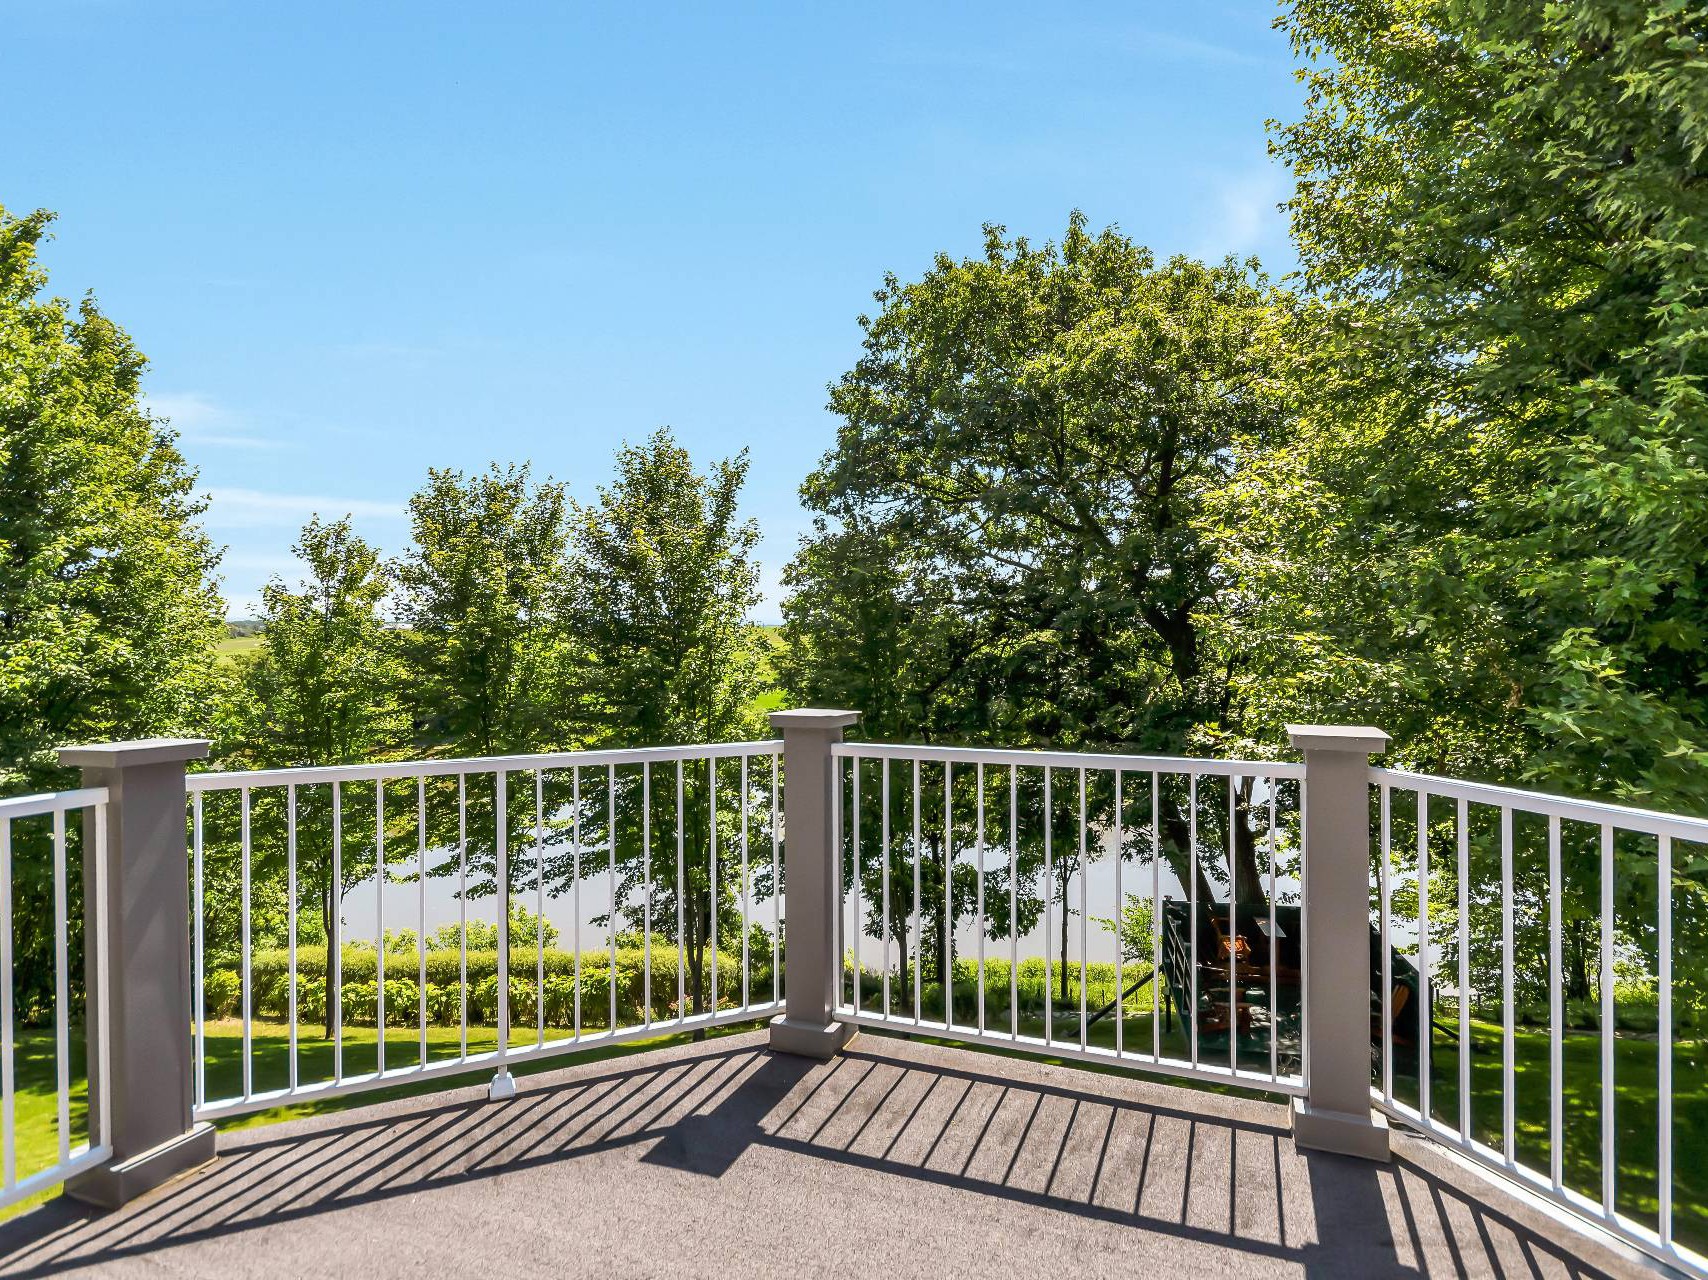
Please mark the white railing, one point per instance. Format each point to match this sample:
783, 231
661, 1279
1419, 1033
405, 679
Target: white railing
40, 1149
939, 891
1516, 857
997, 820
581, 827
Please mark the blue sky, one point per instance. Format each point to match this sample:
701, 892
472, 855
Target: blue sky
358, 241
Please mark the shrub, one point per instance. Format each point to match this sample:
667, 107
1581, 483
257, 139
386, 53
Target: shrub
222, 992
270, 971
444, 1004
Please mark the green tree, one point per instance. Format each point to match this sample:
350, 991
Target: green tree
109, 613
323, 689
1486, 530
482, 595
1010, 520
666, 584
324, 686
1135, 930
490, 665
1500, 212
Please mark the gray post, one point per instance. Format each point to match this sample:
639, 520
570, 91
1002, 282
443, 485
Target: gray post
812, 881
1335, 1114
147, 944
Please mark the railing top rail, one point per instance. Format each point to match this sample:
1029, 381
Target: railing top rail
1028, 758
312, 775
1599, 812
52, 801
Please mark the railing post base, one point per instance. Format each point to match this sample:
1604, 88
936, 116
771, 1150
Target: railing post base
115, 1184
809, 1039
1319, 1129
812, 883
145, 941
502, 1088
1335, 1114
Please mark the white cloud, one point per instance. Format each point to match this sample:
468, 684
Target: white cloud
1246, 217
1196, 50
251, 508
200, 420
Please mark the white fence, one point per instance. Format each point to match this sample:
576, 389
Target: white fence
548, 827
1054, 830
33, 1161
975, 895
1530, 898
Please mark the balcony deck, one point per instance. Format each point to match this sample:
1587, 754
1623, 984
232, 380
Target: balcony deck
721, 1159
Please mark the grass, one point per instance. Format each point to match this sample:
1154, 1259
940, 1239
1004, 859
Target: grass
232, 647
1636, 1065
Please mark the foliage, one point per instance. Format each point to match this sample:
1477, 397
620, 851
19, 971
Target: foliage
1499, 215
482, 597
1009, 541
323, 688
1025, 444
525, 927
1136, 929
1484, 531
491, 666
222, 992
109, 614
665, 583
445, 971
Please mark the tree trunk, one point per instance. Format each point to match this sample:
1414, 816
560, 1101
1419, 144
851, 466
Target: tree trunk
1577, 963
1176, 837
1247, 873
696, 944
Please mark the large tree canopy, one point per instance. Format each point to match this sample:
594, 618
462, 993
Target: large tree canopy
109, 616
1009, 543
1486, 531
664, 583
1010, 513
1490, 526
483, 595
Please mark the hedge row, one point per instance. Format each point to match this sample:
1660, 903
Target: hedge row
1029, 983
270, 996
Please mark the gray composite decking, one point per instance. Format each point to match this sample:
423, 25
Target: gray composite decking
722, 1159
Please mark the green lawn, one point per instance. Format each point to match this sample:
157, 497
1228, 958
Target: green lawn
1635, 1072
232, 647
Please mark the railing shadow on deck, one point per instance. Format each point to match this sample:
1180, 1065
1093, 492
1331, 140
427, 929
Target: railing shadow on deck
944, 1118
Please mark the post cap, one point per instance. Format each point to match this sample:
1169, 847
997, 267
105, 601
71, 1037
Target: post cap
813, 718
124, 755
1337, 737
